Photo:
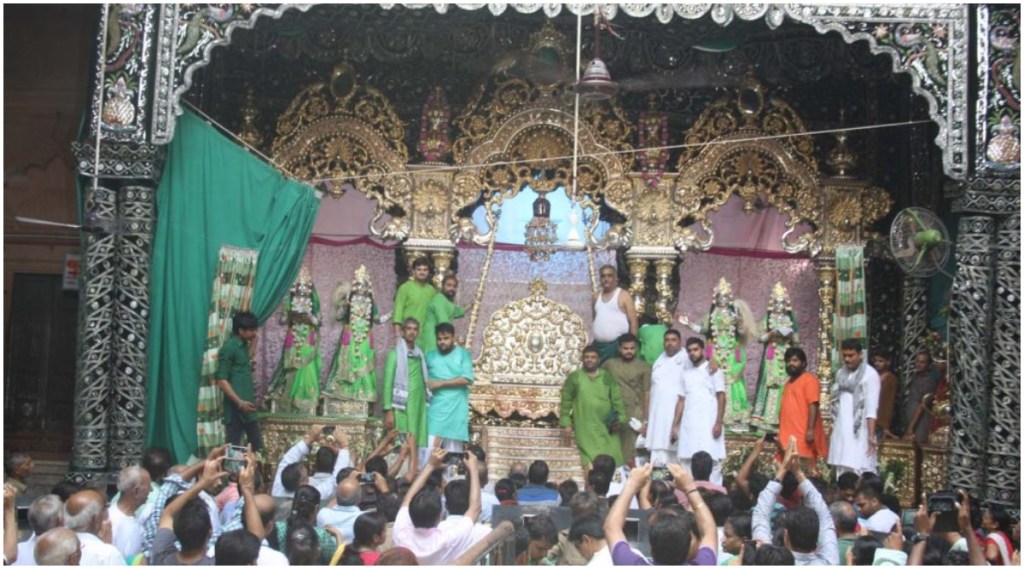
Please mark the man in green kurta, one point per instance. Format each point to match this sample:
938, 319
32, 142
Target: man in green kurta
412, 299
450, 372
592, 410
234, 377
634, 377
405, 390
441, 309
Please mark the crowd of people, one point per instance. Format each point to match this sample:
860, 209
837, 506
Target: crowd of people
323, 508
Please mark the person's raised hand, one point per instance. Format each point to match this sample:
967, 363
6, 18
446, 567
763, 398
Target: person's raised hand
10, 495
389, 419
106, 534
391, 436
895, 539
963, 517
340, 438
923, 523
247, 476
313, 432
760, 442
380, 483
217, 452
472, 464
437, 458
640, 477
212, 472
682, 477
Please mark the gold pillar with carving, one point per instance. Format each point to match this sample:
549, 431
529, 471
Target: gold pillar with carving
826, 313
665, 305
637, 275
442, 263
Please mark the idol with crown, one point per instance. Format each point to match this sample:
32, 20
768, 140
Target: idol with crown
727, 328
780, 335
353, 374
295, 387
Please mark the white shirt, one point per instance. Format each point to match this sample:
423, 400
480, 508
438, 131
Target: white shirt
487, 502
700, 410
846, 450
95, 552
883, 520
602, 557
27, 552
270, 557
126, 530
610, 321
432, 546
341, 517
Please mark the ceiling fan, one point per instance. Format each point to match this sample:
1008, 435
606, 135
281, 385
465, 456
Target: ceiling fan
95, 225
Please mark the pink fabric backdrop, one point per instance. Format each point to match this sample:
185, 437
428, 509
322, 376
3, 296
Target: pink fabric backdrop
752, 279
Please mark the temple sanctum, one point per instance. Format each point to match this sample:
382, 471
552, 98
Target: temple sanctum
842, 171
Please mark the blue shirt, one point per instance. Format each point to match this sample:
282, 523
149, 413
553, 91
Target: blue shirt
341, 517
535, 495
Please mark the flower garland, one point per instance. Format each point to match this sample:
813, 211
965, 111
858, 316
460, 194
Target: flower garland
653, 162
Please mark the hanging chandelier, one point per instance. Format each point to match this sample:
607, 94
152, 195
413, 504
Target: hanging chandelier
541, 232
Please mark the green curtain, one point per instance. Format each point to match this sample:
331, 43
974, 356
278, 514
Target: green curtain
851, 320
213, 193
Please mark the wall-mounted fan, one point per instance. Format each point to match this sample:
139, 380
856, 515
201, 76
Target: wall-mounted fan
919, 242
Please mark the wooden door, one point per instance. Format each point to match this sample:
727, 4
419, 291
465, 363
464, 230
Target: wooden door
40, 364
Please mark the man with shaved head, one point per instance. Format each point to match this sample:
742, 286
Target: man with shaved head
343, 514
45, 514
85, 513
58, 546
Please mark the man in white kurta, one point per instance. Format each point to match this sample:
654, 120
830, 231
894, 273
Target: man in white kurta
853, 446
699, 411
666, 386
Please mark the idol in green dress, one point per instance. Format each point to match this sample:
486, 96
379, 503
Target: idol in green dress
353, 374
295, 387
727, 328
780, 335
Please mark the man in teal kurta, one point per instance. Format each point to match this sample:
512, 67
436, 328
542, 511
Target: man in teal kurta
412, 299
592, 410
450, 371
234, 377
405, 392
441, 309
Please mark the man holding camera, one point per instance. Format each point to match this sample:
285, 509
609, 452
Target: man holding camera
799, 416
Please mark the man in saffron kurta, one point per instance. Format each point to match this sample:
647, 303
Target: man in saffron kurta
440, 310
405, 408
799, 416
450, 371
592, 409
412, 299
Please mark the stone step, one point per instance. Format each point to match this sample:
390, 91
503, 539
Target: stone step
507, 445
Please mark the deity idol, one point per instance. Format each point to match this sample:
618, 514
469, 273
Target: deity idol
780, 335
727, 328
353, 374
295, 387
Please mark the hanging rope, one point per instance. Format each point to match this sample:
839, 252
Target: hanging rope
475, 310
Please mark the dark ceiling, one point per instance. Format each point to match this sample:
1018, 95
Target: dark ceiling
405, 52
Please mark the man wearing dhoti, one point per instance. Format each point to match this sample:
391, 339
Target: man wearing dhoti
666, 387
853, 446
699, 411
592, 410
450, 373
614, 314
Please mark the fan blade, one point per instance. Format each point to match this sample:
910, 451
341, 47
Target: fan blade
35, 221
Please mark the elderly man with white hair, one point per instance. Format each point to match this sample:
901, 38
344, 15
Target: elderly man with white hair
45, 514
85, 513
59, 546
134, 486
